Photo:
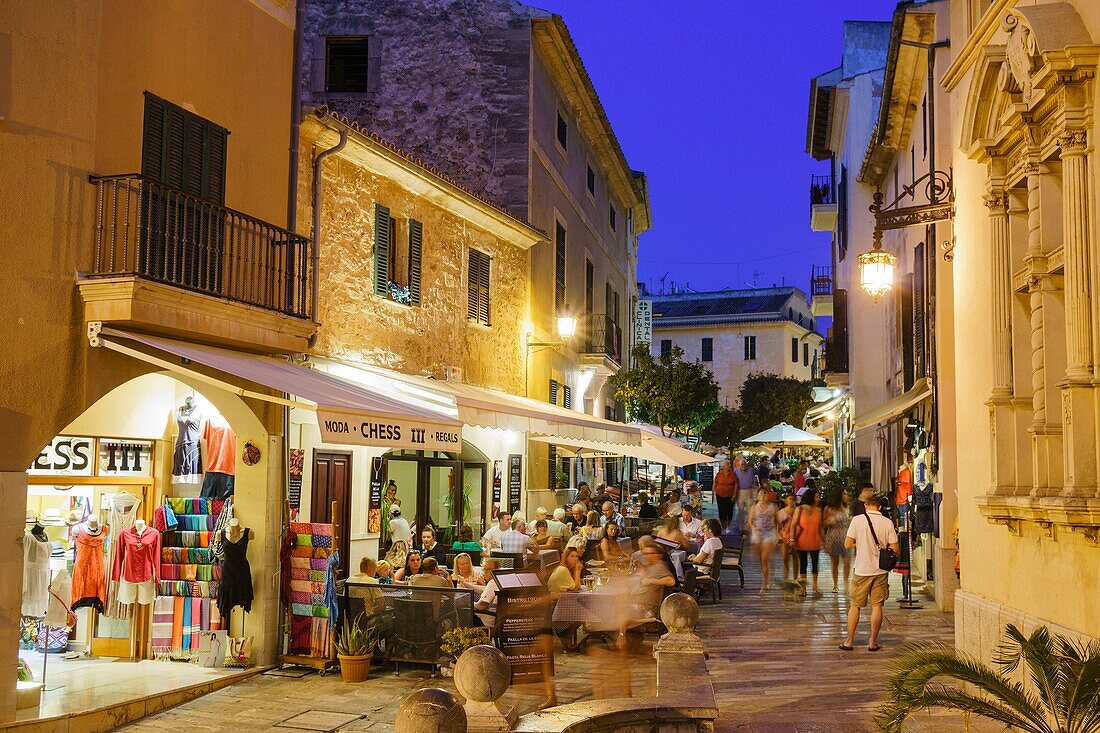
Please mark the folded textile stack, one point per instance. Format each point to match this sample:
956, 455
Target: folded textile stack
308, 572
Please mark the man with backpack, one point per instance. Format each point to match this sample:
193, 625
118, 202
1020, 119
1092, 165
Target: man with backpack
877, 548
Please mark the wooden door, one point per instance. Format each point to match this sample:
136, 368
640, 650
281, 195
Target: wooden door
332, 483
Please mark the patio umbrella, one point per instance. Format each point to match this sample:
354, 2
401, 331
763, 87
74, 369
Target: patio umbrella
787, 435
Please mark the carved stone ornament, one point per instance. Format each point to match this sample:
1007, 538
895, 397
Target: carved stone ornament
1022, 58
997, 202
1073, 141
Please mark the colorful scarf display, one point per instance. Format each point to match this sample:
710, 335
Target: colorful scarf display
308, 585
189, 578
162, 624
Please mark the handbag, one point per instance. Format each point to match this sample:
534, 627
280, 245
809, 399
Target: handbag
887, 558
238, 651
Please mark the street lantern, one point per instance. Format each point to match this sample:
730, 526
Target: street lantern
876, 269
567, 326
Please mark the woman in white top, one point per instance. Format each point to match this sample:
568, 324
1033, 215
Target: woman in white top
711, 531
401, 536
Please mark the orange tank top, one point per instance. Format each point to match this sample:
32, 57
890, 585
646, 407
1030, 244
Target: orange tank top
809, 533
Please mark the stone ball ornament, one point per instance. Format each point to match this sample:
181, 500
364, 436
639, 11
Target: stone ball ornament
680, 613
430, 710
483, 674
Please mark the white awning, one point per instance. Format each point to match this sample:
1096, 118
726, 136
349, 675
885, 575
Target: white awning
894, 408
347, 413
490, 408
656, 449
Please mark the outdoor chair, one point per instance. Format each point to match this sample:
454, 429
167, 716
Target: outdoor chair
509, 560
733, 560
710, 580
591, 551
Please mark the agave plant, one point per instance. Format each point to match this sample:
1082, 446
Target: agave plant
1064, 674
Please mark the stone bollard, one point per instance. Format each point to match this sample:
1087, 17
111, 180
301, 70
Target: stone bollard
482, 676
430, 710
680, 613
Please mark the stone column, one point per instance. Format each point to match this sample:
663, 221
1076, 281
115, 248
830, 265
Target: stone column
1078, 390
1001, 412
13, 498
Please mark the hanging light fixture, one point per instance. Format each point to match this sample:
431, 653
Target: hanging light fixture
876, 269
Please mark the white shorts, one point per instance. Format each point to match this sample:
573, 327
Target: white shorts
143, 593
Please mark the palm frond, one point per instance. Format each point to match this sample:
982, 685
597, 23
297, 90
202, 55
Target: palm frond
918, 665
893, 713
1042, 662
1080, 668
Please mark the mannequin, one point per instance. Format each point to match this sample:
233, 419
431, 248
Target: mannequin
187, 407
36, 571
186, 458
140, 526
236, 584
39, 531
137, 563
93, 528
234, 531
89, 583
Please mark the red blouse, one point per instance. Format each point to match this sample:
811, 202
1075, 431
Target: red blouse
137, 556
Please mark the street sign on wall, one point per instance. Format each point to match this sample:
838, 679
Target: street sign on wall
643, 322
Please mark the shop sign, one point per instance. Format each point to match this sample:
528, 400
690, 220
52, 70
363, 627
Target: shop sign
643, 322
523, 626
374, 508
294, 481
349, 428
498, 481
125, 457
65, 456
515, 481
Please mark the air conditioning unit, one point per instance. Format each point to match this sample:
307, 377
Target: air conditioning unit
452, 373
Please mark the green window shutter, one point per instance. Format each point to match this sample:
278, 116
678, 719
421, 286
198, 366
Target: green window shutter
483, 289
381, 250
477, 287
416, 249
553, 391
567, 397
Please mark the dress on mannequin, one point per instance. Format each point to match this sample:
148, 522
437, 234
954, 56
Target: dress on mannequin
221, 458
187, 460
36, 572
57, 614
89, 575
122, 514
236, 585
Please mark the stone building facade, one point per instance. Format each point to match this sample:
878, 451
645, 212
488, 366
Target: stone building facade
495, 96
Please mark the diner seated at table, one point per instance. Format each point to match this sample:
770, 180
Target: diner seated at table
364, 585
465, 541
542, 538
567, 575
465, 574
645, 509
655, 578
592, 530
689, 524
671, 508
431, 575
412, 566
384, 573
491, 540
611, 516
670, 531
577, 542
557, 528
609, 545
430, 548
577, 519
515, 540
712, 531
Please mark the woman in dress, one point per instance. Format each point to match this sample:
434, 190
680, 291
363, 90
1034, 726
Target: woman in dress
592, 529
609, 545
786, 537
765, 535
836, 521
808, 534
670, 530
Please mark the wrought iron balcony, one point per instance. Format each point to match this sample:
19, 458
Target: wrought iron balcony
822, 190
604, 337
155, 232
821, 280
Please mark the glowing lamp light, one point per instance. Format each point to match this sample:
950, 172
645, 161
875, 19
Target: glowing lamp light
567, 326
876, 270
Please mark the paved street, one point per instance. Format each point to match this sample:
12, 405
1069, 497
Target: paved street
774, 664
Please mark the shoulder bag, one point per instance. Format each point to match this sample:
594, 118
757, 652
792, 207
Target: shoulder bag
887, 558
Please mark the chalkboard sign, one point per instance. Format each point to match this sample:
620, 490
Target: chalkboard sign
515, 481
705, 473
523, 627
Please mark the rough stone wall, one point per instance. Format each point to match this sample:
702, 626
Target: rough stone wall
450, 85
358, 325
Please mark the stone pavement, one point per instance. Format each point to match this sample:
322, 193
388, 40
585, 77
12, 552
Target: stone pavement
774, 664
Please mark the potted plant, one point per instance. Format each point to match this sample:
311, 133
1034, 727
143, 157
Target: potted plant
354, 648
560, 478
460, 639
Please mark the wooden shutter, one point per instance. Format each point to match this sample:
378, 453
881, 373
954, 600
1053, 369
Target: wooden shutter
483, 304
552, 460
471, 286
153, 132
416, 250
920, 349
478, 304
553, 391
905, 314
559, 266
567, 396
381, 250
837, 358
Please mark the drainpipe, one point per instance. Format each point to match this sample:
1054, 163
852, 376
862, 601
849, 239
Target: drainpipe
295, 116
317, 162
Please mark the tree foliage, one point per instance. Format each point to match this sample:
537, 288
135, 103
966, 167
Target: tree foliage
765, 400
666, 391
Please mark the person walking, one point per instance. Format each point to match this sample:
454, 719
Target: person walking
836, 521
725, 491
762, 520
807, 534
746, 481
786, 537
869, 534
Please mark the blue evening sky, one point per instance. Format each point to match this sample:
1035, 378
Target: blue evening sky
709, 98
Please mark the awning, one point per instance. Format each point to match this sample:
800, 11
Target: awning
821, 409
894, 408
656, 449
490, 408
347, 413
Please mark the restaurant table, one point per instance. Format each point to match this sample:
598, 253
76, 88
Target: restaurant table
600, 605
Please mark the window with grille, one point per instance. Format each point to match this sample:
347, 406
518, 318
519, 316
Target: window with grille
666, 346
346, 63
554, 391
559, 266
707, 348
750, 348
477, 302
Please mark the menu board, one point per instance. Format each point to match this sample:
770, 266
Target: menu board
294, 482
374, 508
523, 627
498, 481
515, 481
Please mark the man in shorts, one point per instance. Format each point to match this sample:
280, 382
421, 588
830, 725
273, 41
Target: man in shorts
869, 582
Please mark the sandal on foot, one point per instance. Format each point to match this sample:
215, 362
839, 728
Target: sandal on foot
846, 648
874, 648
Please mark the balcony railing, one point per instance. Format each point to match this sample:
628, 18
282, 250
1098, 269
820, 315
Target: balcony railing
835, 355
822, 190
603, 336
821, 280
160, 233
